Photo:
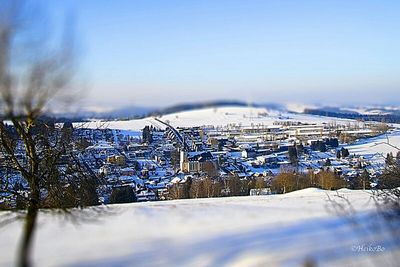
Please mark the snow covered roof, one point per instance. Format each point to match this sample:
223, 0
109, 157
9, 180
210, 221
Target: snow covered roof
101, 145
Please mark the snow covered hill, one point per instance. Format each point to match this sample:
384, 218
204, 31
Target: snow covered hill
222, 116
275, 230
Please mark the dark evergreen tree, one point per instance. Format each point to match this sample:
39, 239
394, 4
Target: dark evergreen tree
220, 146
345, 152
88, 192
389, 159
321, 146
333, 142
124, 194
147, 135
390, 178
313, 145
328, 162
292, 151
186, 187
300, 149
68, 125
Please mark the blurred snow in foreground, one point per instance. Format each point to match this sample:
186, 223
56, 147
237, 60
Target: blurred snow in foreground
276, 230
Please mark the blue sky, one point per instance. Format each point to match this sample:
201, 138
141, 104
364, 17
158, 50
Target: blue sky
157, 53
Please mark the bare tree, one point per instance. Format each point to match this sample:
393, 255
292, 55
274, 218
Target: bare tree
197, 189
284, 182
260, 183
329, 181
39, 167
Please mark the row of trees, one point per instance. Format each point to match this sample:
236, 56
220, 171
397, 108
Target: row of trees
290, 181
204, 187
284, 182
391, 160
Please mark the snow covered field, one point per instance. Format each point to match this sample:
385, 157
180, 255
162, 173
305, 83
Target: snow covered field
378, 146
275, 230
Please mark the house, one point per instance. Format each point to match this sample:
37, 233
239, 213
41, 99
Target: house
117, 160
197, 162
101, 150
127, 171
146, 195
260, 192
249, 153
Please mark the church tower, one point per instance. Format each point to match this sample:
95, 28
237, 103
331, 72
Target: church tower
183, 160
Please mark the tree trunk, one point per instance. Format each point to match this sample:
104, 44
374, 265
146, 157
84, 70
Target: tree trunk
27, 235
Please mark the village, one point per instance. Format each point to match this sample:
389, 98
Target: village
159, 162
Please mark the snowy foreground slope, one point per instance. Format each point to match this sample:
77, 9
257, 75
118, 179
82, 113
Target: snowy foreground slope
275, 230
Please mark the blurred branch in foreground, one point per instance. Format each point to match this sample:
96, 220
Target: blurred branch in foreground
39, 166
